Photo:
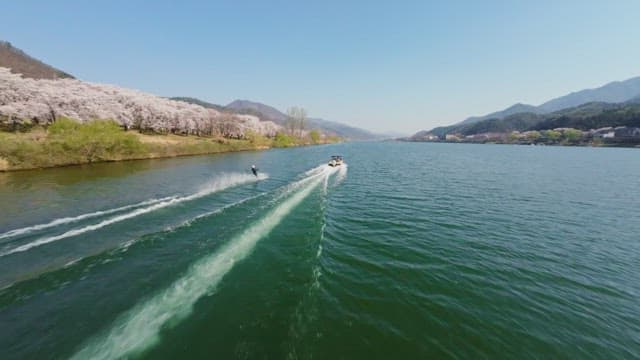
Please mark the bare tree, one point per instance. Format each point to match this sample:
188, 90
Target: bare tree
296, 120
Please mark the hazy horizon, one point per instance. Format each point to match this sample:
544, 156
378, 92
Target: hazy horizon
383, 67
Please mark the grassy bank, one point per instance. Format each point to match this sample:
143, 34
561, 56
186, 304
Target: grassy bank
67, 142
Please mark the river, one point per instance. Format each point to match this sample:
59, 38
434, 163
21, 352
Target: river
410, 250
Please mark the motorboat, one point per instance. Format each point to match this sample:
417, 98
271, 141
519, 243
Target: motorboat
336, 160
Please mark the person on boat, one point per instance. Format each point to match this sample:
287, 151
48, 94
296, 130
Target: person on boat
254, 170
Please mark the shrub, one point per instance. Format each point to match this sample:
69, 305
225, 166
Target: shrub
256, 139
315, 136
93, 141
572, 135
552, 135
284, 140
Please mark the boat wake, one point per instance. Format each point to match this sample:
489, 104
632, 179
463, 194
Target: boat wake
67, 220
306, 311
342, 174
221, 183
139, 329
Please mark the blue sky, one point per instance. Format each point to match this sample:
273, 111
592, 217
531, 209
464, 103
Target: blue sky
385, 66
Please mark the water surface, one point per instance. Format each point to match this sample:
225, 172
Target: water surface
414, 250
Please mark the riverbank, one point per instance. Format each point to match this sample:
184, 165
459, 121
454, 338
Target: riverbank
621, 136
67, 142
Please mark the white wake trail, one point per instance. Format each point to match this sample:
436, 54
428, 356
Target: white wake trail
342, 174
139, 328
317, 170
67, 220
219, 184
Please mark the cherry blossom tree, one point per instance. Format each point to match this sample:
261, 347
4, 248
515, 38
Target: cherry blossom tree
43, 101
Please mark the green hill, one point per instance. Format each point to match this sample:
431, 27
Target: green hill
588, 116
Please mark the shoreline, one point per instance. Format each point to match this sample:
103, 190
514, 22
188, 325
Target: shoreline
103, 142
592, 145
151, 157
10, 170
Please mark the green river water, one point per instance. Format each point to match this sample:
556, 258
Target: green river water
410, 251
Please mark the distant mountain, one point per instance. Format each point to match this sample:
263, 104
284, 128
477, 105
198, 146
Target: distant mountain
592, 116
269, 113
195, 101
255, 108
21, 63
514, 109
614, 92
342, 130
275, 115
393, 135
587, 116
635, 100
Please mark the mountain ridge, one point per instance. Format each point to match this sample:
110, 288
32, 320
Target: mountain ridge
589, 116
612, 92
270, 112
195, 101
21, 63
513, 109
279, 117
